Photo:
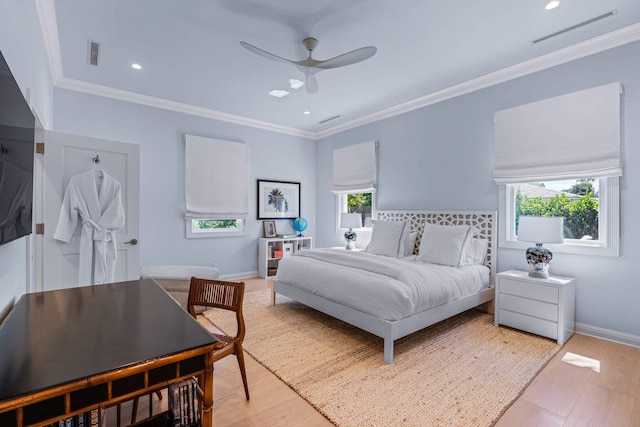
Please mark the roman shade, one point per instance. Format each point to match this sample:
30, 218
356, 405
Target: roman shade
569, 136
216, 179
354, 168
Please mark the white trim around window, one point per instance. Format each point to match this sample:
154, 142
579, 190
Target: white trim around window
609, 223
192, 233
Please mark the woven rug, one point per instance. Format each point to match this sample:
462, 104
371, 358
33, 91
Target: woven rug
463, 371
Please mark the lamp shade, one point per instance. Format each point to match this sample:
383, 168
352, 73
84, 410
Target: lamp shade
350, 220
541, 229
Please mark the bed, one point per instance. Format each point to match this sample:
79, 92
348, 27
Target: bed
377, 293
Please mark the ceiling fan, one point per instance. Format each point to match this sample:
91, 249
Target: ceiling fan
310, 67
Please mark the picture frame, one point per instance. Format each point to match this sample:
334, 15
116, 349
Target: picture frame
278, 199
269, 228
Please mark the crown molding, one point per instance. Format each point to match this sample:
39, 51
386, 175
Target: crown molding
592, 46
48, 22
179, 107
46, 11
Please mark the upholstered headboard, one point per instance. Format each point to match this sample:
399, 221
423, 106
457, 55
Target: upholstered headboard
484, 221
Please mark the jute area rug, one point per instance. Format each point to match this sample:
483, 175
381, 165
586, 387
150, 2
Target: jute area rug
463, 371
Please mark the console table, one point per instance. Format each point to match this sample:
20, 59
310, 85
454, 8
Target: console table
70, 351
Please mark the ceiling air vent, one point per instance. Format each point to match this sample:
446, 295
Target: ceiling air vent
573, 27
94, 52
329, 119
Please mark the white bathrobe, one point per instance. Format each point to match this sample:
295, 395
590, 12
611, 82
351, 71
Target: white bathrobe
95, 197
15, 203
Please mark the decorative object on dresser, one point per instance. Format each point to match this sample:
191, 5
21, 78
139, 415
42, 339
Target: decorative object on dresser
539, 230
300, 224
350, 221
541, 306
269, 228
278, 199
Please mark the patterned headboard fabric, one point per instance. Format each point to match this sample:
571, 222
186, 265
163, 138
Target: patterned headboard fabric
484, 221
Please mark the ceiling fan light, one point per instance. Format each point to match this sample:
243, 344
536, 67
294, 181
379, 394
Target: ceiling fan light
295, 83
552, 4
278, 93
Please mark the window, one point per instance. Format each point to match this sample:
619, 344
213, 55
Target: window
589, 207
362, 203
215, 227
216, 187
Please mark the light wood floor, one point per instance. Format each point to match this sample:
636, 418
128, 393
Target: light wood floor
562, 394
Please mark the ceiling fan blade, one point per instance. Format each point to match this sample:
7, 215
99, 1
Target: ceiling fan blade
348, 58
311, 84
265, 54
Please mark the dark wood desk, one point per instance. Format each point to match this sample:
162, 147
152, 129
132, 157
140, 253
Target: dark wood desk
68, 351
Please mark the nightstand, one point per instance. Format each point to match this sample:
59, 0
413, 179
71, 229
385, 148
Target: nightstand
541, 306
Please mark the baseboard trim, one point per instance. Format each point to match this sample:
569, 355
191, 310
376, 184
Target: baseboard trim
608, 334
243, 275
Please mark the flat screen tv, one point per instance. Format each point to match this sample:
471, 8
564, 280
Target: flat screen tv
17, 127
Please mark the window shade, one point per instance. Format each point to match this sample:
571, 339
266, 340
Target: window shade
570, 136
216, 178
354, 168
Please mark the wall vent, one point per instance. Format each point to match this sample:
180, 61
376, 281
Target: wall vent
329, 119
94, 52
573, 27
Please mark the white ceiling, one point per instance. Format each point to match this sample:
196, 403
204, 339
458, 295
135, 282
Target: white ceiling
192, 59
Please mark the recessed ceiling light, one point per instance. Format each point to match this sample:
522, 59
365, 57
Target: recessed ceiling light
295, 83
136, 66
307, 112
278, 93
552, 4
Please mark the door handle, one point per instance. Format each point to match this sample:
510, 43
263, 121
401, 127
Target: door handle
132, 242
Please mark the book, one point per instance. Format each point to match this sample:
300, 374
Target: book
286, 236
183, 404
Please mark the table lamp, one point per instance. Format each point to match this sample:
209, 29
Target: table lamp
540, 229
350, 221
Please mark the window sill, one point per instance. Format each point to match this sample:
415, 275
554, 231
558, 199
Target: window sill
569, 248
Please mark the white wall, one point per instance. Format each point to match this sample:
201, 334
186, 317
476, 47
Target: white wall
22, 45
162, 201
439, 158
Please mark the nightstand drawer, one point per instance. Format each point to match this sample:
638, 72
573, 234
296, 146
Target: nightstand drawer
527, 323
543, 310
528, 290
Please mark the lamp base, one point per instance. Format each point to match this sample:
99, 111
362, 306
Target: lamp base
539, 258
350, 237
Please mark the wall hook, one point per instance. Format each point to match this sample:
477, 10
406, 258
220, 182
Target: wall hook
96, 159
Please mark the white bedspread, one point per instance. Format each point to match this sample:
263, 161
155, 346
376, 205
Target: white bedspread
384, 287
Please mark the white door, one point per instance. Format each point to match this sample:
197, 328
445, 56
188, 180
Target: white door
65, 156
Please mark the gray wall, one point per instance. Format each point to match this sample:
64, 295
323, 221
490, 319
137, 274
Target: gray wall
439, 158
22, 45
162, 201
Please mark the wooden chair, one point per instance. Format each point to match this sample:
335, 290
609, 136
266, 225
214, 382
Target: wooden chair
227, 296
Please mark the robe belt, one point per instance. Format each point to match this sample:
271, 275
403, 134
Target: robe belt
105, 232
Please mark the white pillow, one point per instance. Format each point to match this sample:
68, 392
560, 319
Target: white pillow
386, 238
442, 244
476, 251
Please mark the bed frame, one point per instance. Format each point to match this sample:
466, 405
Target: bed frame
484, 221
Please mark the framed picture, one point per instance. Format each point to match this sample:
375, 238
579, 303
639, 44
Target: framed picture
269, 228
278, 199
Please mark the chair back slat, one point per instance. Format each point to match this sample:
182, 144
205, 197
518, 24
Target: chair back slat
218, 294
